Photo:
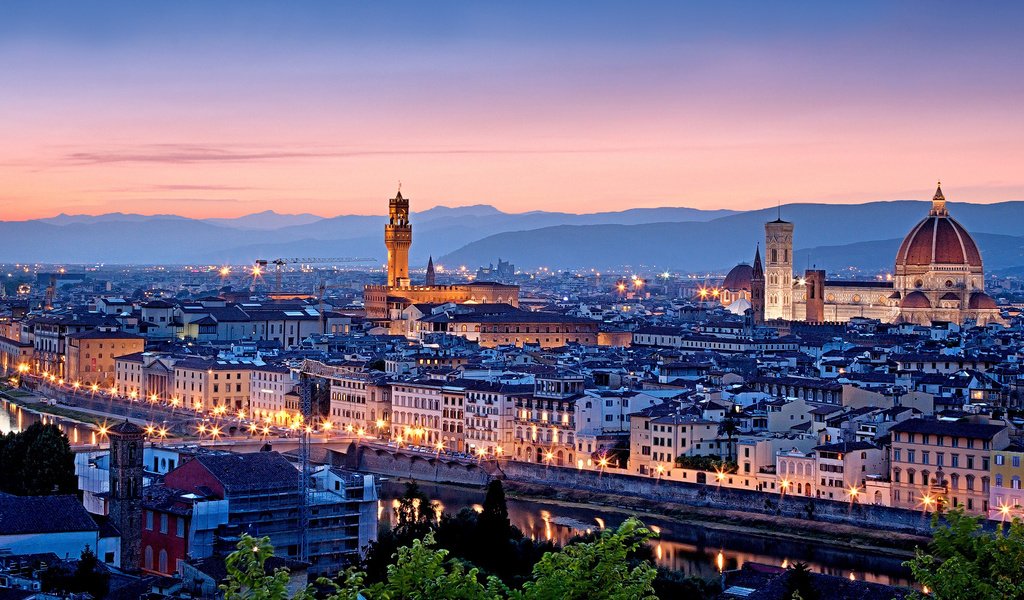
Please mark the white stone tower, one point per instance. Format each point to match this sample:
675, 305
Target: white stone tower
778, 270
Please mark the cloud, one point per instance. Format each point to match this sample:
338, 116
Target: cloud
179, 187
193, 200
190, 154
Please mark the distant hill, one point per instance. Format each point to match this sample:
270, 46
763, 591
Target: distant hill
726, 241
999, 252
688, 239
130, 238
267, 219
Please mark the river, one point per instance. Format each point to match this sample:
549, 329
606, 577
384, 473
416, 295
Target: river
692, 549
15, 418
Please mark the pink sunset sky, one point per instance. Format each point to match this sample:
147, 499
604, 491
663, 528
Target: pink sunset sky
217, 110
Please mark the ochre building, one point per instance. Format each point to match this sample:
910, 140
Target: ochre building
386, 302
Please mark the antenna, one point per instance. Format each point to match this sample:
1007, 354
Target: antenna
779, 202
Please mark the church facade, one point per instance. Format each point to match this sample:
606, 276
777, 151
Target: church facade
938, 276
385, 303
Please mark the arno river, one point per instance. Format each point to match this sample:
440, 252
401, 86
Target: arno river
692, 549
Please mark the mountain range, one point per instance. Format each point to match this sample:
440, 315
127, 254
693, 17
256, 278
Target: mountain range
831, 236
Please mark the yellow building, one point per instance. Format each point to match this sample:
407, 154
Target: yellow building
939, 464
1006, 499
91, 355
208, 384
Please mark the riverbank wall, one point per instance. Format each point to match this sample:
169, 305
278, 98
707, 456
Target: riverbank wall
441, 470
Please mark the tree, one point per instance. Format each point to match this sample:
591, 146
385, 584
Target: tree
799, 584
965, 562
729, 427
421, 572
88, 576
493, 520
247, 578
416, 514
598, 570
37, 462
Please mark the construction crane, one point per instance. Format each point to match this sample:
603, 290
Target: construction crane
261, 265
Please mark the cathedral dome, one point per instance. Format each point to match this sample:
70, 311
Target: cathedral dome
938, 239
739, 278
916, 300
981, 301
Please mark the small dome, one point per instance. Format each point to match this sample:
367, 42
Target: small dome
949, 296
938, 239
915, 300
738, 278
740, 306
981, 301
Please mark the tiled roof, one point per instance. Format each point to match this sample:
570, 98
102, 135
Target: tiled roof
255, 469
20, 515
951, 428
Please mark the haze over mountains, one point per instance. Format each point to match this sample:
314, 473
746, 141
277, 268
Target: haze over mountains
832, 236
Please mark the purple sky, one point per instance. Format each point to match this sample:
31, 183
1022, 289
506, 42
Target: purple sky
221, 109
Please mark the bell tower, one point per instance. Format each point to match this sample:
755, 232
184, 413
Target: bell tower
127, 442
778, 272
757, 288
398, 238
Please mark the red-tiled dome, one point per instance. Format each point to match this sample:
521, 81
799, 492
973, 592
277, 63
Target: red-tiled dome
915, 300
739, 278
938, 238
981, 301
949, 296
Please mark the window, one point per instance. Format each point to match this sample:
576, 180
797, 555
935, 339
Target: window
181, 527
163, 522
149, 520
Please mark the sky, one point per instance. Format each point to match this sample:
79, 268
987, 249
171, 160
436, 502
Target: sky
219, 109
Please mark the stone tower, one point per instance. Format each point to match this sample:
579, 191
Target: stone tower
125, 504
398, 238
431, 276
814, 287
757, 287
778, 272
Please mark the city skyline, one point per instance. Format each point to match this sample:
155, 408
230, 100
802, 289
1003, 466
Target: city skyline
231, 110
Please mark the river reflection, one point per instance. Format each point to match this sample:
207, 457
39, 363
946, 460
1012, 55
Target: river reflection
14, 418
692, 549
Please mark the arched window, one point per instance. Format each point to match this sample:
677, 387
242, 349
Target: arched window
163, 561
148, 560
